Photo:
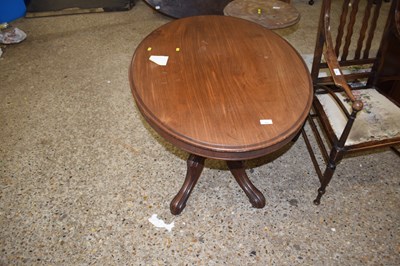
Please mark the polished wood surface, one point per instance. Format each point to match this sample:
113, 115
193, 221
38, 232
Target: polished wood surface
187, 8
227, 76
272, 14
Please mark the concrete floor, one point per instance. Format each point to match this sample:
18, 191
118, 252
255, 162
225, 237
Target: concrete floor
81, 172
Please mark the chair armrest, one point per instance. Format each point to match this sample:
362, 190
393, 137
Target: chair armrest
339, 79
334, 67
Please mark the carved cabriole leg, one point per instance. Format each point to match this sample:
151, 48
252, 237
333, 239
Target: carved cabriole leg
195, 165
255, 196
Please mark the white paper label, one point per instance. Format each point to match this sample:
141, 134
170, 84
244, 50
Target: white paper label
337, 71
159, 59
266, 121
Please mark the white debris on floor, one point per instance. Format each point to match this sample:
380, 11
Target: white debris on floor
160, 223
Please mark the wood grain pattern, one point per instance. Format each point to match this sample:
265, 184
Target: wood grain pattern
272, 14
228, 75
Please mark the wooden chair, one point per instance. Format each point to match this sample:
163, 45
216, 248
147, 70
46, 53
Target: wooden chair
348, 109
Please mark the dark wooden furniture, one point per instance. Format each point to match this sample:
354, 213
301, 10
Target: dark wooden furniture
231, 90
187, 8
388, 70
272, 14
347, 105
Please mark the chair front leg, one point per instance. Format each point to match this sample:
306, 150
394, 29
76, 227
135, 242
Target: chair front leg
337, 152
335, 156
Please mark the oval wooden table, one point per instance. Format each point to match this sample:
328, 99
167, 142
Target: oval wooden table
230, 90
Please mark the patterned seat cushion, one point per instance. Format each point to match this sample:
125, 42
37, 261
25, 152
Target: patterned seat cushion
379, 119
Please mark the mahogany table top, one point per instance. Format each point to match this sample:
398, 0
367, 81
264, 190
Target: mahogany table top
230, 90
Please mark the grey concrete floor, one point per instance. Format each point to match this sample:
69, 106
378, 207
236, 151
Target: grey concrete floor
81, 172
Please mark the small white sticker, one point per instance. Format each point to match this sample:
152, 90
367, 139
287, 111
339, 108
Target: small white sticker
337, 71
159, 59
276, 7
157, 7
266, 121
